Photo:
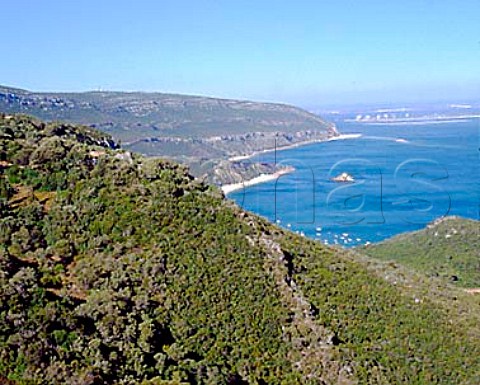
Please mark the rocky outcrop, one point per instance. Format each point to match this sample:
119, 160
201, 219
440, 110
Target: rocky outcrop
343, 178
226, 172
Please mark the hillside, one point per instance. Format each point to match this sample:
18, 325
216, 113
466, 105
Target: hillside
201, 132
448, 249
174, 125
120, 269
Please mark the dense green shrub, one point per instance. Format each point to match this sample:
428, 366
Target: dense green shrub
116, 269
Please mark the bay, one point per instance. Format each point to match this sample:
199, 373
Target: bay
405, 177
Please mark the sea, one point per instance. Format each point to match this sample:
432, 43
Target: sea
405, 176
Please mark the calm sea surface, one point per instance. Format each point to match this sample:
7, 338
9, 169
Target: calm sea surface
405, 177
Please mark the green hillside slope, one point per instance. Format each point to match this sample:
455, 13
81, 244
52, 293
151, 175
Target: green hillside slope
119, 269
449, 249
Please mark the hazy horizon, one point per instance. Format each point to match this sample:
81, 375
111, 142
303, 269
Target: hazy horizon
307, 53
308, 104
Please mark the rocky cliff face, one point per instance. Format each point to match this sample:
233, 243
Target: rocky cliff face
227, 145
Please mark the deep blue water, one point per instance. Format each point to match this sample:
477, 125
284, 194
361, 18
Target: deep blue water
399, 186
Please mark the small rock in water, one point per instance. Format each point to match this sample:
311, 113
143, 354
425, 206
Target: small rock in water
343, 178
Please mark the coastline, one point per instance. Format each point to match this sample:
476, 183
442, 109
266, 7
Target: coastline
416, 123
295, 145
229, 188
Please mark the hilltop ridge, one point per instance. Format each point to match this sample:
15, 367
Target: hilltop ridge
136, 117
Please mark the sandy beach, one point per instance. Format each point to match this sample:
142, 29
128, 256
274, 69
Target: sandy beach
228, 188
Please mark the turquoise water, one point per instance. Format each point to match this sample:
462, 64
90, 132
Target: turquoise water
400, 185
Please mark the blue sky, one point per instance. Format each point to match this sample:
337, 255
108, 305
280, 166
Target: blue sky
303, 52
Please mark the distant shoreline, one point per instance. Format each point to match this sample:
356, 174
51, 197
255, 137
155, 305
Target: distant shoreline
414, 122
295, 145
229, 188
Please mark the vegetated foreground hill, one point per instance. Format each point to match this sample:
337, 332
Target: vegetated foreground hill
175, 125
119, 269
448, 248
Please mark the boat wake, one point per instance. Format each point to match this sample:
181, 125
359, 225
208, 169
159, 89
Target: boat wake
388, 138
